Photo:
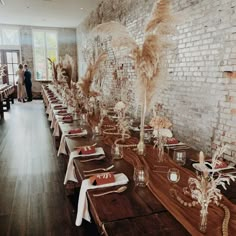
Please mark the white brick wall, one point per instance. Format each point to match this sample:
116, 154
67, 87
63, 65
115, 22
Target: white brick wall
196, 97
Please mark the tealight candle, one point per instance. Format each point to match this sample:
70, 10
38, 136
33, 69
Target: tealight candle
173, 177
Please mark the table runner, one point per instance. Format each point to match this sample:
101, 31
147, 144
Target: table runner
188, 217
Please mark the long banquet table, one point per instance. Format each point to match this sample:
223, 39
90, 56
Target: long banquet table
144, 211
6, 94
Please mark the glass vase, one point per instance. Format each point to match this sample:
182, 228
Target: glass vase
203, 217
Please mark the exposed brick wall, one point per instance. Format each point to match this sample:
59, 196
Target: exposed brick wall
200, 92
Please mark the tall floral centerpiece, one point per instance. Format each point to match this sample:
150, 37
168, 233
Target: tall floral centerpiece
161, 131
87, 80
148, 58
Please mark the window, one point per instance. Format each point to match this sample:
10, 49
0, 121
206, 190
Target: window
45, 46
10, 58
12, 65
9, 36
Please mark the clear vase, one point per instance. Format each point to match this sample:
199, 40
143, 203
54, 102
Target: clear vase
203, 217
141, 148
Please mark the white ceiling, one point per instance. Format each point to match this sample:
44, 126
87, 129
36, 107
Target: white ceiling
48, 13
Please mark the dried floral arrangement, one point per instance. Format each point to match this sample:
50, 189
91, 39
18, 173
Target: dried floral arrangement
149, 57
87, 80
161, 130
64, 71
204, 188
54, 69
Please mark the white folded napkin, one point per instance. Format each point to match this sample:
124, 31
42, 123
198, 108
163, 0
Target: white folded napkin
62, 147
82, 209
56, 131
50, 115
70, 171
53, 121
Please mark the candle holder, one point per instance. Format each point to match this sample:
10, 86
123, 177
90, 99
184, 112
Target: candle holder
140, 176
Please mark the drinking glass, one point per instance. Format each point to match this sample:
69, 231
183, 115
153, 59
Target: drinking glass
97, 130
173, 175
116, 152
140, 176
179, 157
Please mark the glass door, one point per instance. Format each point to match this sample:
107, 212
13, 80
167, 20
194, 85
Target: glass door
11, 59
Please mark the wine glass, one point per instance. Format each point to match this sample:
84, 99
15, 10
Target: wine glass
173, 175
179, 157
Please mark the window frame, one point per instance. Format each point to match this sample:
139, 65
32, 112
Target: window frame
46, 49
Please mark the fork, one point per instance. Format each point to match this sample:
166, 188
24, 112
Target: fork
98, 169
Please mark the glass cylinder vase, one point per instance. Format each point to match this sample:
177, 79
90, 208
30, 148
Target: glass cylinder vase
203, 217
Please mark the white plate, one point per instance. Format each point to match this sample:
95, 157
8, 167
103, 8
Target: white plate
204, 167
83, 133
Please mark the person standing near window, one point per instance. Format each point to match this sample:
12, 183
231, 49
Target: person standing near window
28, 83
20, 83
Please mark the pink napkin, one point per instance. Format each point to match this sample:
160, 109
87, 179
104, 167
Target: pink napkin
86, 150
75, 131
62, 112
67, 119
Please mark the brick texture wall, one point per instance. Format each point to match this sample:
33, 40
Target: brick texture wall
200, 92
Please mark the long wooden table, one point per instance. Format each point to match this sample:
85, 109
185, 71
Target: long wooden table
144, 211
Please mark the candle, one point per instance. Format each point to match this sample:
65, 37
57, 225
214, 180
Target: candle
173, 177
201, 158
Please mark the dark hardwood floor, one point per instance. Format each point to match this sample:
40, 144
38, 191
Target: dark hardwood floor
32, 194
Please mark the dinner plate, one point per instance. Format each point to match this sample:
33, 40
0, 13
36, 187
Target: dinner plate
207, 167
83, 133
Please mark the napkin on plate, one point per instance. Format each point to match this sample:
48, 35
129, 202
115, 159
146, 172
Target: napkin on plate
86, 150
70, 171
75, 131
58, 107
172, 140
67, 118
62, 112
62, 147
82, 209
103, 178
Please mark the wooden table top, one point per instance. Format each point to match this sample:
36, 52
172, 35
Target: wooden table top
133, 204
136, 207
